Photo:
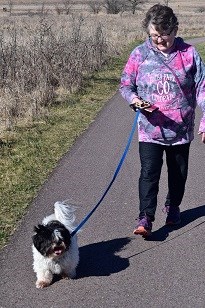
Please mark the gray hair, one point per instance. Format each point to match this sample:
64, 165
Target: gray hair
162, 17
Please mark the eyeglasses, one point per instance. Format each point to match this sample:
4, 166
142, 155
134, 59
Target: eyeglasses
163, 36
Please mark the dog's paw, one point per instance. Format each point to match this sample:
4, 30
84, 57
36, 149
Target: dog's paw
69, 275
72, 274
40, 284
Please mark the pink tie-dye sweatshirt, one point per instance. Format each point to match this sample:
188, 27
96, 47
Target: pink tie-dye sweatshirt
175, 84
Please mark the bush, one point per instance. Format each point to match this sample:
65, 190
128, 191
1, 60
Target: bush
113, 6
120, 6
35, 62
95, 6
201, 9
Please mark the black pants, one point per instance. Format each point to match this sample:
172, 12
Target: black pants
151, 157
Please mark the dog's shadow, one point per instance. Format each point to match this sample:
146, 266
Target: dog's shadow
187, 217
100, 259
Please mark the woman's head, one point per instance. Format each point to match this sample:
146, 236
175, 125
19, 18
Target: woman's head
160, 16
161, 24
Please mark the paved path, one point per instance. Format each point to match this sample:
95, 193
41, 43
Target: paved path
117, 269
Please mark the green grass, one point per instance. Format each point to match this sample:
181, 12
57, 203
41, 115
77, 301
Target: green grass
201, 49
28, 154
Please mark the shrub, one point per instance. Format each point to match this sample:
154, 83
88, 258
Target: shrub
35, 62
113, 6
95, 6
200, 9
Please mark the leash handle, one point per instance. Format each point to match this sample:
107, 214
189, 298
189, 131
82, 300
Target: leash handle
114, 176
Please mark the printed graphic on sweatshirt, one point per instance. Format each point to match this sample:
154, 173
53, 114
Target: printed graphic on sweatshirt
162, 89
164, 92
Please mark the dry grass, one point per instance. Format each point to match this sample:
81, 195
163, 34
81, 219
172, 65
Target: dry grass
42, 54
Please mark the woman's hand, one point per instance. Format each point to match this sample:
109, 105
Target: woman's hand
142, 105
202, 136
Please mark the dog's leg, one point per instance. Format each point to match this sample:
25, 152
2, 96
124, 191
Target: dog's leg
71, 273
44, 279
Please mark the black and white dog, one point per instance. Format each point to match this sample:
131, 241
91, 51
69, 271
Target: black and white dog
54, 250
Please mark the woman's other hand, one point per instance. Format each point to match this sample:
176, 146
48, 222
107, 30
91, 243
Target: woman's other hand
202, 136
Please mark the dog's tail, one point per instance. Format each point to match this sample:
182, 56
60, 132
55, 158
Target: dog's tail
64, 212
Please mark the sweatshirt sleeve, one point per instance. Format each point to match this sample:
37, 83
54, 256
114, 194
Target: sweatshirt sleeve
128, 87
200, 88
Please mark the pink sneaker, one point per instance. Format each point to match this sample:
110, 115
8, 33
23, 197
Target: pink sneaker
144, 227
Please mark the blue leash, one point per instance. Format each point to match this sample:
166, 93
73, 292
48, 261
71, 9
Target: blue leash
114, 176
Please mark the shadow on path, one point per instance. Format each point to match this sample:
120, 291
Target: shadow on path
187, 217
99, 259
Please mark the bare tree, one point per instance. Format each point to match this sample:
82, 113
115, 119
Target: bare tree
10, 4
120, 6
43, 11
135, 3
94, 6
114, 6
58, 9
166, 2
67, 6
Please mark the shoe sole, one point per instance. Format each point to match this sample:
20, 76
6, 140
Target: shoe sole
142, 231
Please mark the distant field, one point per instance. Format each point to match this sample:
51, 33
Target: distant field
191, 15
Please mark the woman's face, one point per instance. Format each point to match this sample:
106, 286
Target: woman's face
164, 40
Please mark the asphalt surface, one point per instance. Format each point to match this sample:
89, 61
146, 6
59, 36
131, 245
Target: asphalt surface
117, 269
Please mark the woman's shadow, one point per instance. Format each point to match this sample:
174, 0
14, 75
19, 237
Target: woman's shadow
187, 217
100, 259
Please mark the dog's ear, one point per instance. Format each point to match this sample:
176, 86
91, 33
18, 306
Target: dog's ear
41, 239
38, 231
35, 229
38, 228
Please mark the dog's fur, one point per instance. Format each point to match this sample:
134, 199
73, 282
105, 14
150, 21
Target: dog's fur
54, 250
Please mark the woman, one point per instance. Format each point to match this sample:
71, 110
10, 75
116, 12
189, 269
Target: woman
170, 75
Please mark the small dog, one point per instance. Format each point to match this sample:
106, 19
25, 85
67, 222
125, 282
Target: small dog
54, 250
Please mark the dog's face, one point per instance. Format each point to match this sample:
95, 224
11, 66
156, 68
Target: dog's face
51, 240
